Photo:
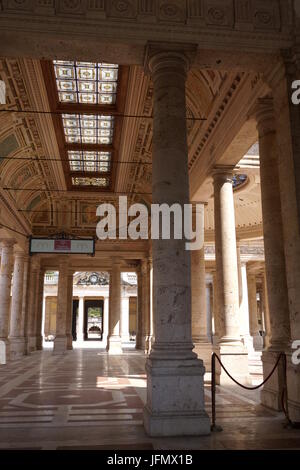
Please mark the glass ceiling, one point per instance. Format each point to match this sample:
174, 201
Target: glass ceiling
89, 160
86, 82
83, 84
85, 181
88, 129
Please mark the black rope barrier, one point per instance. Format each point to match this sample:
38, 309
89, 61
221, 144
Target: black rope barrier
284, 395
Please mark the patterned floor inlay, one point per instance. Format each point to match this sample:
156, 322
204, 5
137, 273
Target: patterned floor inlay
89, 400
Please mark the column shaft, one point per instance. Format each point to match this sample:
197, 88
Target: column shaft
16, 336
175, 375
69, 312
227, 277
114, 343
274, 252
60, 341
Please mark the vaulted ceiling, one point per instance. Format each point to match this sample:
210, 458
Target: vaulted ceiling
54, 175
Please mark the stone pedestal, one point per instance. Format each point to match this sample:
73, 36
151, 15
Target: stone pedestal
5, 286
60, 341
274, 250
233, 352
114, 342
16, 336
175, 389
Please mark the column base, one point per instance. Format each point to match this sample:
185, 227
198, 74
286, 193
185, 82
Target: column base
31, 344
17, 347
60, 345
204, 350
234, 357
114, 345
4, 351
175, 397
272, 391
125, 338
69, 342
293, 385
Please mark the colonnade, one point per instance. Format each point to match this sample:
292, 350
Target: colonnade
175, 374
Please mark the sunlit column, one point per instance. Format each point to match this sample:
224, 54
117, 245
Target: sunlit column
114, 343
125, 317
80, 319
60, 341
227, 276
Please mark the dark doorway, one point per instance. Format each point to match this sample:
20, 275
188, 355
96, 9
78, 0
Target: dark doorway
74, 319
93, 319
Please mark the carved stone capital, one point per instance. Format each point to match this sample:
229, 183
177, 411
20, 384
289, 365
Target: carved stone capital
265, 118
223, 173
176, 56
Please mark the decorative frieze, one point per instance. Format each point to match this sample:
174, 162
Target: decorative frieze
248, 15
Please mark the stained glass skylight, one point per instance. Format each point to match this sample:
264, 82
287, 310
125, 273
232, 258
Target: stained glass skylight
88, 129
86, 181
89, 160
86, 82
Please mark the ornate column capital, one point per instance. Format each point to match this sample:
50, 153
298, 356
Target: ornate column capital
265, 117
160, 56
7, 242
223, 173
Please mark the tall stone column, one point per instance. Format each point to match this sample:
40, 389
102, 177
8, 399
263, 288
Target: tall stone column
232, 351
145, 305
25, 302
287, 118
266, 313
105, 320
69, 312
253, 319
60, 341
125, 317
175, 388
203, 347
244, 309
80, 319
274, 251
151, 336
139, 316
114, 343
16, 336
39, 308
30, 325
5, 286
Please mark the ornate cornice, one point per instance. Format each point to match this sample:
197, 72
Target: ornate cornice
270, 23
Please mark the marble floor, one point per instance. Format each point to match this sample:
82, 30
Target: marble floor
87, 399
